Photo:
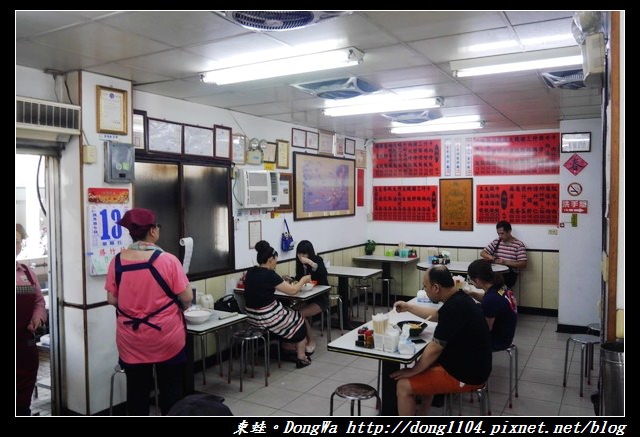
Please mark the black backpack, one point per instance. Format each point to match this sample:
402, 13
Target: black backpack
227, 303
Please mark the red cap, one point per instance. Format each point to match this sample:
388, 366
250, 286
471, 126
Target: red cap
138, 218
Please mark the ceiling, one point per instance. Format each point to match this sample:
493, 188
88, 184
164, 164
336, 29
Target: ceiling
164, 52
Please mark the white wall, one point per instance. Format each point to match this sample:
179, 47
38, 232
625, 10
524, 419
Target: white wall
581, 246
325, 234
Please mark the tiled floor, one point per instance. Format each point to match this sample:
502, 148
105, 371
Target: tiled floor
306, 391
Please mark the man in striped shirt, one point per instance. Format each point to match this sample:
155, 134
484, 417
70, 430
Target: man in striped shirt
507, 250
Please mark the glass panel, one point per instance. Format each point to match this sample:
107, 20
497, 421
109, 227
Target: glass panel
207, 217
156, 187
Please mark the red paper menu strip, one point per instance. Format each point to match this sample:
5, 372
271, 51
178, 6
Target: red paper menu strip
405, 203
534, 204
516, 154
407, 159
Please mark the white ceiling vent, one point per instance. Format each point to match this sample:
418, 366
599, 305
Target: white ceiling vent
413, 117
268, 21
564, 79
344, 88
46, 121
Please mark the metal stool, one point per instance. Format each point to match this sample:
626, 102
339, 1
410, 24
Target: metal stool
586, 343
116, 370
593, 328
483, 399
248, 339
332, 297
512, 351
355, 392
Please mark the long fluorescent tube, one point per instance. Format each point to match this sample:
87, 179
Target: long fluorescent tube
285, 67
389, 106
442, 125
536, 60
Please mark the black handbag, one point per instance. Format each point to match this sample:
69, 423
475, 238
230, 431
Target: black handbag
286, 243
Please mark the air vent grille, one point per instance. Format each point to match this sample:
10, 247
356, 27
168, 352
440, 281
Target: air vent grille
280, 20
336, 89
48, 115
565, 79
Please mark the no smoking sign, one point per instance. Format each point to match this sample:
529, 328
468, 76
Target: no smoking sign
574, 189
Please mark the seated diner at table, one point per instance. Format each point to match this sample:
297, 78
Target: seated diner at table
309, 263
458, 359
267, 312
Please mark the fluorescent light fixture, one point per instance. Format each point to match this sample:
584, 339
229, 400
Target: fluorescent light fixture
535, 60
464, 122
285, 67
393, 105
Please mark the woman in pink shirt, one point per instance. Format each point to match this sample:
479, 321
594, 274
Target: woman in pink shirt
150, 290
30, 315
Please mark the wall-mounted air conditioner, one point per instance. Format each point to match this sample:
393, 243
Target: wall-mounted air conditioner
258, 188
43, 120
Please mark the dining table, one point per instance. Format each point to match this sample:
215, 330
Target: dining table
218, 321
461, 267
344, 273
390, 361
385, 263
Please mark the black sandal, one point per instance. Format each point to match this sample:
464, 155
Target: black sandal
302, 363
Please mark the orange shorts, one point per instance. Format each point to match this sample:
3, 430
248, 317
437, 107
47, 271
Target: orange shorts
436, 380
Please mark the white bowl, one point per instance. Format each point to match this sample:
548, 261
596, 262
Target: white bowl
308, 286
197, 316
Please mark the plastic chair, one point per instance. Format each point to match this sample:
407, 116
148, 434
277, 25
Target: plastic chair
586, 343
355, 392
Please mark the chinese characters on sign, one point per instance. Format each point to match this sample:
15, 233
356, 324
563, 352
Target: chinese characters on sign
534, 204
575, 206
106, 239
406, 159
575, 164
405, 203
516, 154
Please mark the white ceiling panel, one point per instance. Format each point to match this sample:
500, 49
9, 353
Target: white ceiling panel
164, 52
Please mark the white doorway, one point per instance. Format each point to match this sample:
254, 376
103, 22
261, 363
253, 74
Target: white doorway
36, 187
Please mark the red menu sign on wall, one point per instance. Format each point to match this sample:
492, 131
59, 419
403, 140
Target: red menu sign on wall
533, 204
516, 154
406, 159
406, 203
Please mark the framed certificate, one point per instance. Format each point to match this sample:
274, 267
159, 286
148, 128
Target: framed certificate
282, 159
239, 146
285, 193
269, 153
349, 146
576, 142
298, 138
312, 140
198, 141
111, 110
222, 137
139, 129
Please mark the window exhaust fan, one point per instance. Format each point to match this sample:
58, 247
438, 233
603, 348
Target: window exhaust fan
270, 21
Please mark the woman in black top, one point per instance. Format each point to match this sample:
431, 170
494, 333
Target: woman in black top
265, 311
309, 263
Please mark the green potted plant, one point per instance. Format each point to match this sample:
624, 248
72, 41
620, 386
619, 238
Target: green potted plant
369, 247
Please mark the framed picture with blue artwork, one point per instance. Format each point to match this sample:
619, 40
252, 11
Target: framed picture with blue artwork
324, 186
